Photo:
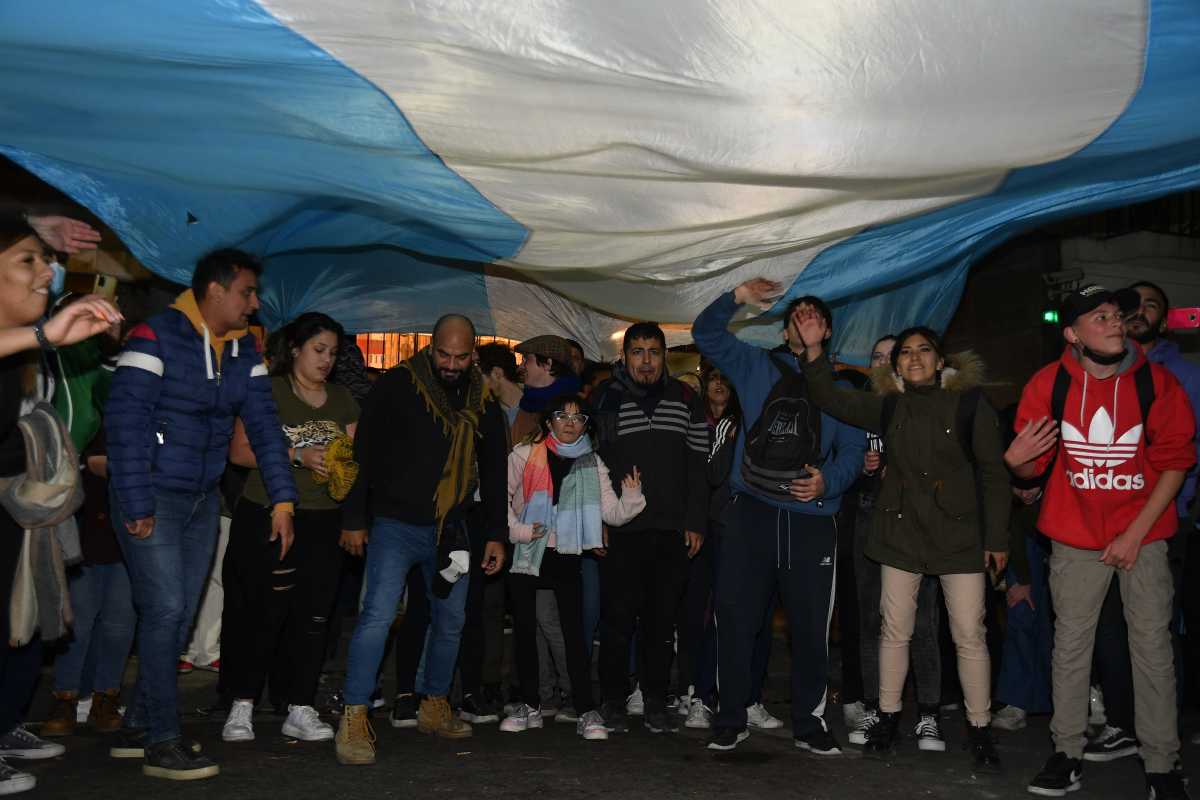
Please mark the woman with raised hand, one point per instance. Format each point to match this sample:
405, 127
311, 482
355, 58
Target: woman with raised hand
560, 496
291, 590
942, 507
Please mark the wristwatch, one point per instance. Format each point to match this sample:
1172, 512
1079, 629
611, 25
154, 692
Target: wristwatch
296, 460
42, 341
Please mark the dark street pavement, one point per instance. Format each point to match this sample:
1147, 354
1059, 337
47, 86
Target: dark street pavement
555, 763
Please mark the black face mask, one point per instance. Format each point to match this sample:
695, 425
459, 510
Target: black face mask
1100, 358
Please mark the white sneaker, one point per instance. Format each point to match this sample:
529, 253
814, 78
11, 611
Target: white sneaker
1009, 718
304, 723
13, 781
635, 706
239, 725
591, 727
1096, 715
685, 702
522, 719
82, 710
858, 734
757, 716
699, 716
852, 714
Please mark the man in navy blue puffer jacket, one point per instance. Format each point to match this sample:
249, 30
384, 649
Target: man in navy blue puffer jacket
183, 378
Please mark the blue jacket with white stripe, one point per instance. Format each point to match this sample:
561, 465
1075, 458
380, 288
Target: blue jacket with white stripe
171, 408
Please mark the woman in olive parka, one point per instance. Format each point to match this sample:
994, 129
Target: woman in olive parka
942, 508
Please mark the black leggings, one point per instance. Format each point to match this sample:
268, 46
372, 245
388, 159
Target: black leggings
560, 573
284, 606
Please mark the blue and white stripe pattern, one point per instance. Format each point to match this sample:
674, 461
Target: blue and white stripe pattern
546, 165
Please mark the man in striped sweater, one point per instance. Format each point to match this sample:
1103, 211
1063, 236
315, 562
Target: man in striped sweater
649, 421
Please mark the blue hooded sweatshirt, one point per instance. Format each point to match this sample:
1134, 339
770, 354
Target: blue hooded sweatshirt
753, 375
1166, 353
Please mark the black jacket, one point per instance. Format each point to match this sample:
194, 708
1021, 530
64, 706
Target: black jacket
401, 451
663, 432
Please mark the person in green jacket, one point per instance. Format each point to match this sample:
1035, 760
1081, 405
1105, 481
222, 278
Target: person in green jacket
85, 371
942, 509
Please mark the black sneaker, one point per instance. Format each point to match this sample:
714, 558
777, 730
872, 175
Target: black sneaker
474, 708
726, 739
404, 711
175, 761
1060, 775
20, 743
13, 781
820, 743
1166, 786
984, 757
615, 718
881, 737
660, 722
1110, 744
131, 743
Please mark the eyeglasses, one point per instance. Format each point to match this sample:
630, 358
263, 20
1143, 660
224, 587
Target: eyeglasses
562, 416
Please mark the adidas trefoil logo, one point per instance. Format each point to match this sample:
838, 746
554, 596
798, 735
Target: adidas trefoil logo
1100, 449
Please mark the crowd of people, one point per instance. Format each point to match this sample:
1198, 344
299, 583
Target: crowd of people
667, 522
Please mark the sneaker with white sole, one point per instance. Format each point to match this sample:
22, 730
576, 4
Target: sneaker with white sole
757, 716
635, 704
13, 781
1110, 744
82, 710
858, 734
929, 734
522, 719
852, 713
819, 743
726, 739
20, 743
1009, 718
591, 727
304, 723
699, 716
239, 725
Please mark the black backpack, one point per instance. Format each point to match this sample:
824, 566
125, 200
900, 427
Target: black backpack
786, 436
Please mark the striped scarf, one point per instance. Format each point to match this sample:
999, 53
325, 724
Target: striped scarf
460, 475
575, 521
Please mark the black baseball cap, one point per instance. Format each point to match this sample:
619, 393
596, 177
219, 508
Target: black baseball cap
1088, 298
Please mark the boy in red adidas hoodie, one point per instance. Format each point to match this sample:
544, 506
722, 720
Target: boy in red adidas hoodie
1108, 509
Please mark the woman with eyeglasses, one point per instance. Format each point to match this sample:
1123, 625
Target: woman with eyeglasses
560, 495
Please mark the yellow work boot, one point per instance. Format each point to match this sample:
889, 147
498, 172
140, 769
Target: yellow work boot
355, 740
436, 718
62, 717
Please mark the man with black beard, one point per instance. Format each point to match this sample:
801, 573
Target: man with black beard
428, 434
1117, 739
653, 423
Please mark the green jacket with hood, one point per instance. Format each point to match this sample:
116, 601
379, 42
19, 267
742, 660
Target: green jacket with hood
927, 517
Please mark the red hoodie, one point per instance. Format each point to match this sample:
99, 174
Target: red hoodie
1105, 470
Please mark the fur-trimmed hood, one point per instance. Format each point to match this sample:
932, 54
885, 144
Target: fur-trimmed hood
963, 371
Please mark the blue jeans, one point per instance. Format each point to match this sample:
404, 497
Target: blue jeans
167, 571
103, 604
1024, 679
589, 569
395, 548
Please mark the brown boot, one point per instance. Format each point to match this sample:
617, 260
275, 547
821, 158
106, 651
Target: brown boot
355, 740
436, 718
105, 716
62, 717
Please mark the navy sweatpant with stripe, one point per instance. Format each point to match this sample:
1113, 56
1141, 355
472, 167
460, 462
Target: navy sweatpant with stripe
763, 549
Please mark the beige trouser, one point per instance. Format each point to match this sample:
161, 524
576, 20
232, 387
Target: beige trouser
205, 645
1078, 583
965, 605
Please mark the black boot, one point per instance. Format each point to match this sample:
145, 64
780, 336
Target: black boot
881, 737
984, 757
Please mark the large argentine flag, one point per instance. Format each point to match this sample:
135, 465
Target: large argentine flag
557, 165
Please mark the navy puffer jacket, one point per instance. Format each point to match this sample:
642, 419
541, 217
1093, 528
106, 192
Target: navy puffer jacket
171, 409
